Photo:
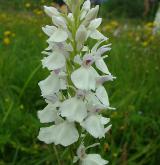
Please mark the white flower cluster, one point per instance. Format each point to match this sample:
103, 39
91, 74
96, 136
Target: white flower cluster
74, 89
156, 28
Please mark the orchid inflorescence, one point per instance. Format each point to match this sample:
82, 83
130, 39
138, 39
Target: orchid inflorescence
74, 90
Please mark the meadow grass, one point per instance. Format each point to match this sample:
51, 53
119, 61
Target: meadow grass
135, 135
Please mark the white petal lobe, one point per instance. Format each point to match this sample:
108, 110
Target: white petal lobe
50, 85
94, 159
54, 61
85, 78
73, 109
48, 114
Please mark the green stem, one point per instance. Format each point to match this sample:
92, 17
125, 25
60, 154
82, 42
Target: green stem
28, 80
7, 113
57, 157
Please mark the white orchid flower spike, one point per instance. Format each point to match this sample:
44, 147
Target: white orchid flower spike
74, 91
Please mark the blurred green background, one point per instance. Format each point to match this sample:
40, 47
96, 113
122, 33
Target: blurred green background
134, 60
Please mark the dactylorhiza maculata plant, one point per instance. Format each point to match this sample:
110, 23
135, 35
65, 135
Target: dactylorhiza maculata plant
74, 90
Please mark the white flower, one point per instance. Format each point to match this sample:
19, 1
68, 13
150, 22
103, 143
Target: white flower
73, 109
93, 159
74, 90
62, 48
85, 8
99, 60
84, 78
102, 79
59, 21
48, 114
102, 96
93, 103
51, 85
92, 14
54, 60
63, 133
59, 35
53, 33
51, 11
81, 36
93, 32
49, 30
94, 124
100, 64
94, 24
88, 159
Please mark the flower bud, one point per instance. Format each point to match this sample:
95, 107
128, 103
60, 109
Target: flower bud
85, 8
92, 14
81, 34
59, 21
51, 11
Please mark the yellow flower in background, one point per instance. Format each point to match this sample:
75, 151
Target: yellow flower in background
108, 27
145, 43
27, 5
6, 41
114, 24
151, 38
149, 27
111, 26
7, 33
38, 11
149, 24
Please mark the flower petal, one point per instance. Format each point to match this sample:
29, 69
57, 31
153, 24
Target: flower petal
66, 134
73, 109
94, 24
59, 21
94, 126
84, 78
95, 34
49, 30
102, 95
59, 35
48, 114
85, 8
93, 102
100, 64
92, 14
81, 34
105, 120
50, 85
46, 134
51, 11
54, 61
94, 159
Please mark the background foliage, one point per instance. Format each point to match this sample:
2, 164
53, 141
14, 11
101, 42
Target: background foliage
126, 8
134, 60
